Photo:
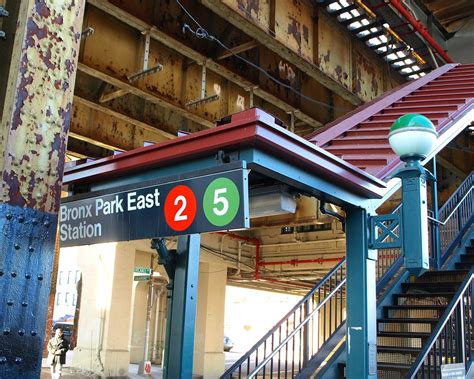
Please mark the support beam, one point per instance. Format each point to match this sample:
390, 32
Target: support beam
112, 95
123, 117
239, 49
361, 299
145, 95
211, 65
448, 165
264, 38
34, 126
182, 313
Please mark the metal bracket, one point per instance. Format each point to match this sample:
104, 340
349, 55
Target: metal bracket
146, 54
167, 258
203, 99
3, 13
87, 32
385, 231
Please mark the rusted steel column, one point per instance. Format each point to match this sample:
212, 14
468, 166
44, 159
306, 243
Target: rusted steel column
34, 126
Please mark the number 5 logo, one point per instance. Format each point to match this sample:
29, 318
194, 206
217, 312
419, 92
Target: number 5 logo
221, 201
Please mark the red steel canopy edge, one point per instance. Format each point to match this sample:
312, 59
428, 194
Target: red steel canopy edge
252, 128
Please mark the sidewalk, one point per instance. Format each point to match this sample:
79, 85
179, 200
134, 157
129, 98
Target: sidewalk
72, 373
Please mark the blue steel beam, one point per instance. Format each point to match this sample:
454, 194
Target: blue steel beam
180, 334
33, 144
361, 298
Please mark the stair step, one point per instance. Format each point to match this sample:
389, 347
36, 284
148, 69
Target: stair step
428, 102
442, 276
397, 349
430, 286
404, 334
423, 109
393, 116
470, 249
467, 258
463, 265
409, 320
423, 298
414, 311
447, 95
395, 358
354, 149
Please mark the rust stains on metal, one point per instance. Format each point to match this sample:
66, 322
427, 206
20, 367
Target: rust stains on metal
247, 6
294, 30
36, 130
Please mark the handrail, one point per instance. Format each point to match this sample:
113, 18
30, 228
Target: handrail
441, 324
454, 210
296, 330
470, 177
298, 305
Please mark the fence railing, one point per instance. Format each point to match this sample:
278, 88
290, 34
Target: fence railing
451, 341
456, 214
289, 345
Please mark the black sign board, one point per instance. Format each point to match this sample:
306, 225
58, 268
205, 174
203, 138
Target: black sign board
160, 208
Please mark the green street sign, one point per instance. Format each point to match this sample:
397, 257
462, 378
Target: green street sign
142, 270
141, 278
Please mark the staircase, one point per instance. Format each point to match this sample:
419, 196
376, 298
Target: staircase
407, 325
298, 345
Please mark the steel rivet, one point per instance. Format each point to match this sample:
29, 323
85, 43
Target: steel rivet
34, 221
6, 331
18, 360
1, 273
16, 246
21, 218
31, 249
33, 332
13, 273
24, 304
46, 223
28, 276
40, 277
9, 216
10, 302
3, 360
21, 332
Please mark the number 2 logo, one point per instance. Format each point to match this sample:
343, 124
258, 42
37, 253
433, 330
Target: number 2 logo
180, 208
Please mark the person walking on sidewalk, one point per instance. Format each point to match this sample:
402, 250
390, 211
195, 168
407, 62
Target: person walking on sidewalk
57, 347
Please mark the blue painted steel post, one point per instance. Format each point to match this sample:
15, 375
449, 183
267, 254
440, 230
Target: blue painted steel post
34, 123
361, 298
435, 225
179, 359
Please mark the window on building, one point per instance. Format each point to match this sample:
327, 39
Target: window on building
58, 298
60, 277
74, 299
69, 277
66, 298
78, 276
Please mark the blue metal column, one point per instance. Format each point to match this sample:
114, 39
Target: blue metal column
361, 298
434, 208
35, 123
179, 359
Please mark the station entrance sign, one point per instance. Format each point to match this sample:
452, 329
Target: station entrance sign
159, 208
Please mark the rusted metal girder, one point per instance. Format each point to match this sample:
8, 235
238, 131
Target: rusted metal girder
291, 37
219, 71
35, 123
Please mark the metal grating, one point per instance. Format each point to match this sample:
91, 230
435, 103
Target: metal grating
380, 36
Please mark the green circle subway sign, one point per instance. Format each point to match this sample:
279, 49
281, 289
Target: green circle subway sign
221, 201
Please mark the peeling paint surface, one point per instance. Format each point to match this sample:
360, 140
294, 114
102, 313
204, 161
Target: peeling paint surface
37, 128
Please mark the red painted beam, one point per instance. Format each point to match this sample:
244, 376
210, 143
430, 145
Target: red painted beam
420, 28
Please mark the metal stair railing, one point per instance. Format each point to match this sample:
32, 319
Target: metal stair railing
451, 340
298, 334
457, 214
325, 308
